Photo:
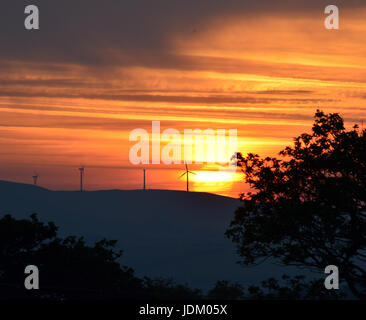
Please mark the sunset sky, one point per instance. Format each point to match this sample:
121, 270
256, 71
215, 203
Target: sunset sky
71, 92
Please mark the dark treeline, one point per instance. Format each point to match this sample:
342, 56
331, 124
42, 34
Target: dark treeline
72, 270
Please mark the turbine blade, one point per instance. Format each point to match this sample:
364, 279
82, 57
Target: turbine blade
182, 175
192, 172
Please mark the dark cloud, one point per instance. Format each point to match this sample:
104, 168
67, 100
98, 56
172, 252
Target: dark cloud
65, 122
211, 99
21, 119
129, 32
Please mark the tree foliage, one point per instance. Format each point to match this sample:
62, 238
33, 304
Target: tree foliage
308, 207
292, 288
226, 290
70, 268
167, 289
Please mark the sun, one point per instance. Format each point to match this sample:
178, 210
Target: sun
213, 176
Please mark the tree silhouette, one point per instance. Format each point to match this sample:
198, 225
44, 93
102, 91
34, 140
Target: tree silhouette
308, 208
226, 290
292, 288
70, 268
167, 289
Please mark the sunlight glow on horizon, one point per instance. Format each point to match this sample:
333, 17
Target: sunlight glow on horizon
264, 76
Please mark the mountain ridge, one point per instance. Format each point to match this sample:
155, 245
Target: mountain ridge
163, 233
4, 183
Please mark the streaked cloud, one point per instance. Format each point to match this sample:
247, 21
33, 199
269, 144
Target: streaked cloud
71, 92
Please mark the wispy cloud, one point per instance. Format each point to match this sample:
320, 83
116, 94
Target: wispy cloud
72, 91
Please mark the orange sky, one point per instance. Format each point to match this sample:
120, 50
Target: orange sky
263, 74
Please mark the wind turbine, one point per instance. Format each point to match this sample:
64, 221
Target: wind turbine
144, 179
187, 173
35, 178
81, 169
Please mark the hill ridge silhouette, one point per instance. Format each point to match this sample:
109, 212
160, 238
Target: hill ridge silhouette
6, 183
163, 233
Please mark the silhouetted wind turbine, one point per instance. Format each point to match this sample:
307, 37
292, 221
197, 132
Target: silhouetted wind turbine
35, 178
187, 173
81, 169
144, 179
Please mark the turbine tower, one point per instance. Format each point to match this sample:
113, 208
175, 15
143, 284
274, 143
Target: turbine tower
187, 173
144, 179
35, 178
81, 169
